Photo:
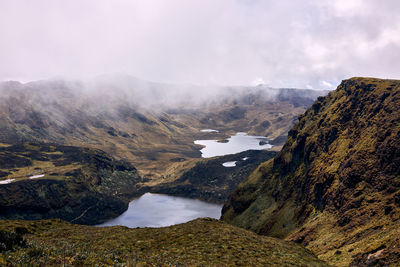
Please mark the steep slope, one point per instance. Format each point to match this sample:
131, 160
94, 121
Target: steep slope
197, 243
335, 186
81, 185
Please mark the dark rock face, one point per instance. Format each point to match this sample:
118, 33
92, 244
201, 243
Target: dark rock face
44, 199
81, 185
339, 172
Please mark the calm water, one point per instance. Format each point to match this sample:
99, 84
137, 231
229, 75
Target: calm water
237, 143
156, 210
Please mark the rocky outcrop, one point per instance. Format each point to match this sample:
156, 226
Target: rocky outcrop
79, 185
335, 186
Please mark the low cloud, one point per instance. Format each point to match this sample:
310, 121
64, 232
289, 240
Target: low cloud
326, 84
287, 43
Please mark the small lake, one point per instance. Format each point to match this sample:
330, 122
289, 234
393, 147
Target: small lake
235, 144
157, 210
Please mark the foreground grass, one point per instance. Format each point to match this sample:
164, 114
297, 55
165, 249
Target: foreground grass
197, 243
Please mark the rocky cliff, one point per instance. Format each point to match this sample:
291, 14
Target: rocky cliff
335, 185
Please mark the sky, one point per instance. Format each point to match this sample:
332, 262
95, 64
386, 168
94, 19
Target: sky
285, 43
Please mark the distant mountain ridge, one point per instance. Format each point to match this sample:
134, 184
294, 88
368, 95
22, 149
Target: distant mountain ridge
335, 185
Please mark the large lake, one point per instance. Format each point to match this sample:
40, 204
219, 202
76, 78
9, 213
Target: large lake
157, 210
235, 144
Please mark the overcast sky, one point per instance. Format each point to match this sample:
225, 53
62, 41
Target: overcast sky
307, 43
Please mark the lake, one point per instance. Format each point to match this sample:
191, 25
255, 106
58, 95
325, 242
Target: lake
157, 210
235, 144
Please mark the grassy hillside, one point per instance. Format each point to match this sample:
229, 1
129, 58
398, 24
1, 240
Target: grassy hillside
196, 243
335, 185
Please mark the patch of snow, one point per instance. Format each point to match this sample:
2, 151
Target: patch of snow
246, 158
229, 164
7, 181
36, 176
209, 131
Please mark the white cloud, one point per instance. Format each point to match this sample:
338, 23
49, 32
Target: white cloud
258, 81
326, 84
287, 43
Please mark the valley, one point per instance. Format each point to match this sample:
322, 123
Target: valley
157, 139
65, 156
331, 185
108, 115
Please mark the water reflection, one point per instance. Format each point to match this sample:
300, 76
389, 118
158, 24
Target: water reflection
156, 210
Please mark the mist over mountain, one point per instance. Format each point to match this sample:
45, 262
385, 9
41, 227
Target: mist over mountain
63, 105
137, 120
106, 92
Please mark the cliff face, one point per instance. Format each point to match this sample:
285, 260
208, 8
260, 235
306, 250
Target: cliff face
335, 185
